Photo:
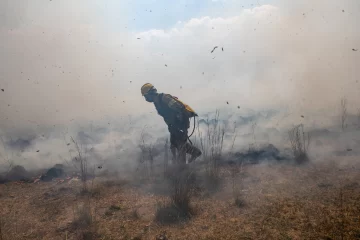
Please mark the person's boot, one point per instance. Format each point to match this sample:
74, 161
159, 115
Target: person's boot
193, 158
195, 153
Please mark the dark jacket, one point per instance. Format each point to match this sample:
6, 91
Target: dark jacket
173, 112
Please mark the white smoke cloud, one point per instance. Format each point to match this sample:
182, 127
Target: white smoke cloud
62, 70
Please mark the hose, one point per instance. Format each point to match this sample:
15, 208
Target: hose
193, 128
192, 133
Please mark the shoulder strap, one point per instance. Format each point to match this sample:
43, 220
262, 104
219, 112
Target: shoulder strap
161, 97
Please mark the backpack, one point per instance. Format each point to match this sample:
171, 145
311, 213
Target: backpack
190, 112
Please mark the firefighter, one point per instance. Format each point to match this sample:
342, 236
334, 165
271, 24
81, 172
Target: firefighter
177, 116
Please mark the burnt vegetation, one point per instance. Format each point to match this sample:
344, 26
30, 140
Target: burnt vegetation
299, 141
280, 162
210, 195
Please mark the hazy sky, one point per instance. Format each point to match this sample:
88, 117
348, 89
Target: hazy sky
143, 15
83, 61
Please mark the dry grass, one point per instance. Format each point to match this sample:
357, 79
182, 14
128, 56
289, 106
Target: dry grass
300, 142
212, 143
82, 215
84, 222
316, 201
82, 161
179, 207
236, 171
146, 160
1, 235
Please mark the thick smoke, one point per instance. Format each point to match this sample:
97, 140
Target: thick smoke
65, 72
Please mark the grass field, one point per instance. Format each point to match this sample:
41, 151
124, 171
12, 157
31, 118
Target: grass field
274, 201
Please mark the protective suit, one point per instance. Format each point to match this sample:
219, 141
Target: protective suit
177, 116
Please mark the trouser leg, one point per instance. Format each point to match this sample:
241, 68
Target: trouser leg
179, 142
173, 152
193, 151
182, 153
174, 147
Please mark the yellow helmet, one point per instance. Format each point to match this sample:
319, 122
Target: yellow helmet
146, 88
